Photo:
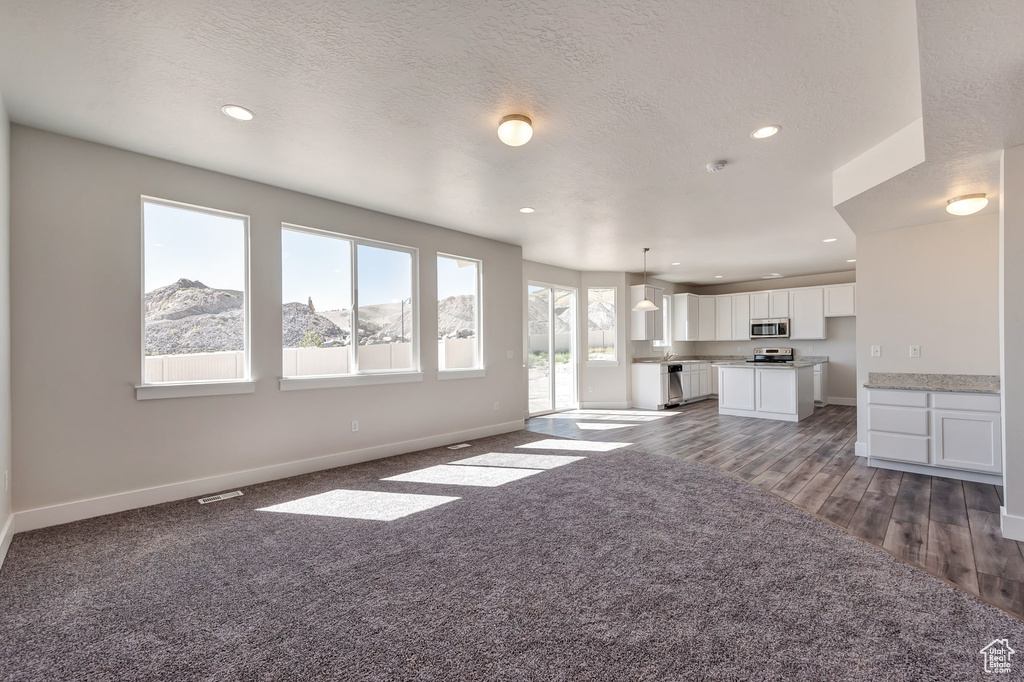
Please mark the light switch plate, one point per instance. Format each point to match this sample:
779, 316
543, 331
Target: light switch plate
876, 351
915, 351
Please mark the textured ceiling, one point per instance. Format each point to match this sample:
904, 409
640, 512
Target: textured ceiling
393, 106
972, 83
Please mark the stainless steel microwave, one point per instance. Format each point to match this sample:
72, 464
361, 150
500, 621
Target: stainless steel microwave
777, 328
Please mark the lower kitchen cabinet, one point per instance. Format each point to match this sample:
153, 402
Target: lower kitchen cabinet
784, 394
956, 435
652, 384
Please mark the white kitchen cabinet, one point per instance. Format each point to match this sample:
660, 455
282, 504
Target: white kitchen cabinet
841, 300
646, 325
685, 317
723, 318
704, 380
741, 317
650, 386
759, 305
736, 388
807, 313
707, 312
944, 434
778, 304
775, 391
821, 384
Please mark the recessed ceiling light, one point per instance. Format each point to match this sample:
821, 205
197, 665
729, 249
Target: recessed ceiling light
237, 112
766, 131
719, 276
829, 241
527, 209
677, 264
852, 260
967, 204
515, 130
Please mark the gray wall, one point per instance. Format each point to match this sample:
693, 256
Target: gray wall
76, 296
5, 321
936, 286
1011, 320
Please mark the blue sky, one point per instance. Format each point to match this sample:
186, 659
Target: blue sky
210, 248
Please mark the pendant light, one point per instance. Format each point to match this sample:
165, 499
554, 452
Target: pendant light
645, 304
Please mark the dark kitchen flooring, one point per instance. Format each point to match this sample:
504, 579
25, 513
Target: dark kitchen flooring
946, 527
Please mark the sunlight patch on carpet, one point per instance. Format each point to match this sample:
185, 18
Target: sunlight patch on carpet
360, 504
584, 445
519, 460
446, 474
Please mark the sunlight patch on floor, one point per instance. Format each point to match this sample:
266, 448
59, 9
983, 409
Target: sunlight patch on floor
654, 413
518, 460
446, 474
601, 417
360, 504
602, 426
585, 445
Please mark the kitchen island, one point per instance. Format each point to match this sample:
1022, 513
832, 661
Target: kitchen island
782, 391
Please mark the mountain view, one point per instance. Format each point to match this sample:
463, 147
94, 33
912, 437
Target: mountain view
190, 317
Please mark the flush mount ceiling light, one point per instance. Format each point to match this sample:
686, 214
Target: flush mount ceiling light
829, 241
967, 204
527, 209
852, 260
677, 264
237, 112
645, 303
719, 276
515, 130
766, 131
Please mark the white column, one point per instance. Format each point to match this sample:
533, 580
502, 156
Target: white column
1011, 332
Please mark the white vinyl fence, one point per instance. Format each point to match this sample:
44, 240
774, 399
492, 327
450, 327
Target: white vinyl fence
304, 362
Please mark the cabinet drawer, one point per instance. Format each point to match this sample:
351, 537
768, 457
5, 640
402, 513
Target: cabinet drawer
898, 447
906, 420
904, 398
975, 402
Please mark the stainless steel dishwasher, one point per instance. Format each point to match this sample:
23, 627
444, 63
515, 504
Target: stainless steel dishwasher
674, 377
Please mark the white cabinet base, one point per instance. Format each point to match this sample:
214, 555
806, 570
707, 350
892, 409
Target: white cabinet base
928, 470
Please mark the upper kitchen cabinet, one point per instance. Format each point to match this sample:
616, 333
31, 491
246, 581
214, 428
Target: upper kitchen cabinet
766, 305
741, 317
723, 318
685, 317
707, 316
649, 325
841, 300
807, 313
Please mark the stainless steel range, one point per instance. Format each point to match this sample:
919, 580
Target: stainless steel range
771, 356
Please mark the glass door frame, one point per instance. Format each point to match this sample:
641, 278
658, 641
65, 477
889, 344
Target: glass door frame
573, 345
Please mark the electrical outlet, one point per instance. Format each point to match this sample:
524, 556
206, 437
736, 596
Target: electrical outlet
915, 351
508, 354
495, 405
876, 351
355, 425
590, 389
810, 349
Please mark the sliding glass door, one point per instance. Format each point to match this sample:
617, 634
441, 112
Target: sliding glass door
551, 348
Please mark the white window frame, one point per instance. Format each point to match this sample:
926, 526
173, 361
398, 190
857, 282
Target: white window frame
615, 300
480, 370
185, 389
363, 377
666, 313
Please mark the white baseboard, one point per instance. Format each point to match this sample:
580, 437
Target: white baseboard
42, 517
938, 472
6, 535
1013, 526
860, 449
850, 402
605, 406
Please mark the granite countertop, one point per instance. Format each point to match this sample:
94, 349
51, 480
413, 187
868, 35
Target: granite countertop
940, 383
771, 365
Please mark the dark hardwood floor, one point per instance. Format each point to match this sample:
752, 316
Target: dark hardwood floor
946, 527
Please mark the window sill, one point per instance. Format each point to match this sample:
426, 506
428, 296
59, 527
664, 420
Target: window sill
193, 389
308, 383
448, 374
602, 363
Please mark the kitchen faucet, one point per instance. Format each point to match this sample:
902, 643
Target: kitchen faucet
668, 355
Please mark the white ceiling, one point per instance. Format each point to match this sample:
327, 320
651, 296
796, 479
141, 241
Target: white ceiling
393, 106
